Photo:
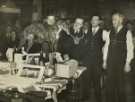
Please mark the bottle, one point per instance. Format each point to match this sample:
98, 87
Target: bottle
12, 61
41, 58
14, 52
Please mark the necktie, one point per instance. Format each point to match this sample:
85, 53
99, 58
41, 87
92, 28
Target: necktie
94, 31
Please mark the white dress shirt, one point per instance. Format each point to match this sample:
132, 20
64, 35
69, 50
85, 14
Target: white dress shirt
129, 42
95, 29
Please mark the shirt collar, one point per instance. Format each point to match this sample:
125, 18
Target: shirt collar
119, 28
95, 28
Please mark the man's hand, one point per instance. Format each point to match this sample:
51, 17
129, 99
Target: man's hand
76, 75
127, 67
66, 57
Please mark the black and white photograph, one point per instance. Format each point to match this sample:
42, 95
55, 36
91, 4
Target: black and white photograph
67, 51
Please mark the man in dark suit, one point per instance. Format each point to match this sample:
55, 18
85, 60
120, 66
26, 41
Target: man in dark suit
72, 43
93, 60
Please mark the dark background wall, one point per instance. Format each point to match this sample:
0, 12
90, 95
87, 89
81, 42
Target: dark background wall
73, 8
88, 7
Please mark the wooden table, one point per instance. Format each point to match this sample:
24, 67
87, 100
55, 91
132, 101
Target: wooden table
57, 85
53, 86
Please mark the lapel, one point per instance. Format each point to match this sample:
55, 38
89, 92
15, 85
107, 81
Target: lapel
95, 32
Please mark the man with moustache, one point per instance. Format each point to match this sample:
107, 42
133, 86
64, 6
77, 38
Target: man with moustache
71, 43
77, 35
